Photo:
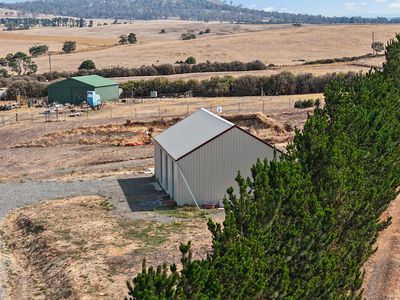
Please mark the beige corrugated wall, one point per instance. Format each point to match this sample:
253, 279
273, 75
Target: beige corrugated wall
164, 170
212, 169
157, 169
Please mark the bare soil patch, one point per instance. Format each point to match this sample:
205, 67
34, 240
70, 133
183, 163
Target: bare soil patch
109, 135
78, 249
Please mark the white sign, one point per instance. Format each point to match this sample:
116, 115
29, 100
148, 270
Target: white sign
219, 109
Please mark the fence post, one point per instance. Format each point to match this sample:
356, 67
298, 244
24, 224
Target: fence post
187, 109
16, 117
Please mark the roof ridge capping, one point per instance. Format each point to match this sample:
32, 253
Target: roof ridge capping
217, 117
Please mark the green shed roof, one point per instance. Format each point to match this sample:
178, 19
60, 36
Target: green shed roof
95, 80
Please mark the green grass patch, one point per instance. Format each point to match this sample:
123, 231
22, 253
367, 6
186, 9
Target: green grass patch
184, 213
151, 234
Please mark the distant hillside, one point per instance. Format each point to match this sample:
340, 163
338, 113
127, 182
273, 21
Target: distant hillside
164, 9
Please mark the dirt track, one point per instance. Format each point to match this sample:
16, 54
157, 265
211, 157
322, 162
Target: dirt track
382, 270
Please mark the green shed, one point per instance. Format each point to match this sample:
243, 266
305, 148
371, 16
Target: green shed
74, 90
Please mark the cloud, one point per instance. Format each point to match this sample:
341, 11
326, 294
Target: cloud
350, 5
395, 5
354, 5
271, 8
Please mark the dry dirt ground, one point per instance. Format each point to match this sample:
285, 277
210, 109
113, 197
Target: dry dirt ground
382, 270
89, 252
277, 44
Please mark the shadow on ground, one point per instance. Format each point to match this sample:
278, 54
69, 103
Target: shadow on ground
143, 193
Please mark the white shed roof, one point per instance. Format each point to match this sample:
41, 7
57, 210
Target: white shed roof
192, 132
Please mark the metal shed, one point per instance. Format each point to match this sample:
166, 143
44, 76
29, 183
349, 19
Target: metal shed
74, 90
197, 159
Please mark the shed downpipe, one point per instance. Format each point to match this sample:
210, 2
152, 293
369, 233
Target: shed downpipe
187, 185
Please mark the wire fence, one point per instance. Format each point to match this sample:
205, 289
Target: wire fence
30, 117
151, 109
165, 110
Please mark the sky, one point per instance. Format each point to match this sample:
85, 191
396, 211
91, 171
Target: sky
366, 8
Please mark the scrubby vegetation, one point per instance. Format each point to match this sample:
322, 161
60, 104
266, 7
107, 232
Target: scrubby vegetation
340, 60
26, 87
302, 227
306, 103
188, 36
127, 39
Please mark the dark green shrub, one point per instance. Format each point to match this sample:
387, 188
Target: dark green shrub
87, 65
304, 103
38, 50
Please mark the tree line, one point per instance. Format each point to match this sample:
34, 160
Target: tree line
284, 83
281, 84
164, 69
186, 10
26, 23
303, 225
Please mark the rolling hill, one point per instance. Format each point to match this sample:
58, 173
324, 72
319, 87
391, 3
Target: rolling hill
205, 10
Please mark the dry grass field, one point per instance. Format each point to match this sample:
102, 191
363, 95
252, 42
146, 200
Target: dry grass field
277, 44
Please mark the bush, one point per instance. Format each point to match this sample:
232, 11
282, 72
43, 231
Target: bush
162, 31
29, 88
3, 62
304, 103
87, 65
188, 36
208, 30
132, 39
190, 60
38, 50
69, 47
3, 73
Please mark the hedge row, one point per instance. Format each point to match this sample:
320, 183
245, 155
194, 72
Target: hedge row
163, 69
281, 84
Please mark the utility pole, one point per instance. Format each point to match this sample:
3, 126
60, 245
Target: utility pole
373, 41
50, 61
